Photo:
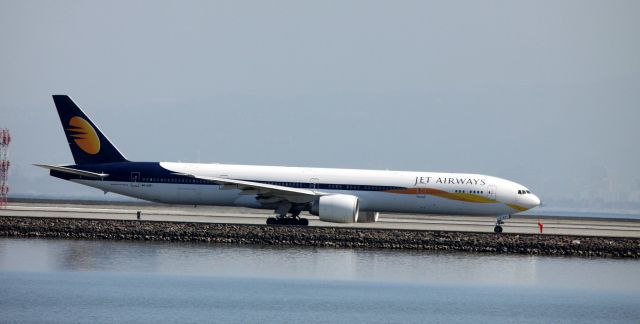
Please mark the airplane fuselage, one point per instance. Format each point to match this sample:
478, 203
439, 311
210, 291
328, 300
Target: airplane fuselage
380, 191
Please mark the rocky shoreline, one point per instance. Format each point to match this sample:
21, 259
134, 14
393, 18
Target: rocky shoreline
337, 237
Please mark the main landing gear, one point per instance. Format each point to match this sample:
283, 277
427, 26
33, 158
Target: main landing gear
499, 221
287, 221
283, 218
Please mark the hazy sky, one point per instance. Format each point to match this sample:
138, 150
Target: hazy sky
545, 93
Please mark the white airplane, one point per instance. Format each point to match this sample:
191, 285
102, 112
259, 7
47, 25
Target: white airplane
335, 195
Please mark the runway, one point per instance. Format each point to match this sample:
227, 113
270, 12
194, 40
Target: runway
230, 215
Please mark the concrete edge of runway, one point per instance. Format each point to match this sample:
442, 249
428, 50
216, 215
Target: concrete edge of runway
570, 226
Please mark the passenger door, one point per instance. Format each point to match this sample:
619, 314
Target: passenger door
135, 179
491, 192
421, 197
421, 190
313, 184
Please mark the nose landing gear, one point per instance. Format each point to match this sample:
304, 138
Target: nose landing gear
499, 221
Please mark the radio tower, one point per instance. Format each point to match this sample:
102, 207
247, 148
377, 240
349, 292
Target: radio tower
5, 139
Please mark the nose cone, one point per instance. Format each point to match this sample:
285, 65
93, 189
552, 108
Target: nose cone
532, 201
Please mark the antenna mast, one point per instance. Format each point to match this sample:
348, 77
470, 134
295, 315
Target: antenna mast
5, 139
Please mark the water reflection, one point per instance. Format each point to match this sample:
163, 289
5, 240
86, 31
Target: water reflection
421, 267
71, 255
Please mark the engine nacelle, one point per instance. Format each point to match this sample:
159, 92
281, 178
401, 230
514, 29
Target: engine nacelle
337, 208
368, 217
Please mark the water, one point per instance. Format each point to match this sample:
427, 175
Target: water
65, 281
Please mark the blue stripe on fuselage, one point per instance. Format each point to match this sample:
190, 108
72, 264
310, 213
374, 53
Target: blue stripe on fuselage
152, 172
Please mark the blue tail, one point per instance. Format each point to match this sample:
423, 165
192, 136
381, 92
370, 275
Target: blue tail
88, 144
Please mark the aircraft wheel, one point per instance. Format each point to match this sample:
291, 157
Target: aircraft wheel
287, 221
497, 229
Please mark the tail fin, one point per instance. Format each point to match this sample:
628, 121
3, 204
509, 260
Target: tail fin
88, 144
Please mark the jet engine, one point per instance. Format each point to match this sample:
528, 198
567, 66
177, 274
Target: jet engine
336, 208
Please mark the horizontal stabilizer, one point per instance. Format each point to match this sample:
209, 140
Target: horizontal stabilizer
73, 171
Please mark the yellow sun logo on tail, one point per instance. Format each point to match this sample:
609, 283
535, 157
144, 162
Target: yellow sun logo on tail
86, 137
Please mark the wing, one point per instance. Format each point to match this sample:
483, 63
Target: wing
257, 188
